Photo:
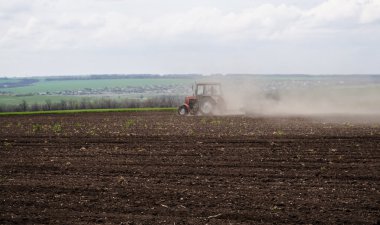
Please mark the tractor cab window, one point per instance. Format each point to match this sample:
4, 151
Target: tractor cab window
200, 90
215, 90
212, 90
208, 90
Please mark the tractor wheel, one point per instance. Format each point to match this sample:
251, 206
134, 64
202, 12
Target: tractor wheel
182, 110
207, 107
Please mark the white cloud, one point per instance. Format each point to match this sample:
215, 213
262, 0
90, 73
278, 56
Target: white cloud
371, 12
62, 25
53, 25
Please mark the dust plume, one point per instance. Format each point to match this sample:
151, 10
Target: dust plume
311, 96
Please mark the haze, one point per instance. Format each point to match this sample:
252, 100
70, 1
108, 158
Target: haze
44, 37
246, 97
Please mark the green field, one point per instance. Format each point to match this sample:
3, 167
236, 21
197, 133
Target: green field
61, 85
41, 99
9, 80
36, 93
35, 99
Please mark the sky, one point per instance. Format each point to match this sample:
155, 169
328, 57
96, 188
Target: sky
64, 37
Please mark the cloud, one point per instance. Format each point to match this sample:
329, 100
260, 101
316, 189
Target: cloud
345, 12
371, 12
15, 6
206, 35
58, 24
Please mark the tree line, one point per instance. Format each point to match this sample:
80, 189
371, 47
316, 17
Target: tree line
89, 103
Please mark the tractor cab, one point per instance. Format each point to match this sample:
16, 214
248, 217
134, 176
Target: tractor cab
208, 89
207, 99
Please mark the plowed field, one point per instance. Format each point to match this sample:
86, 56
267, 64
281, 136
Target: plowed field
159, 168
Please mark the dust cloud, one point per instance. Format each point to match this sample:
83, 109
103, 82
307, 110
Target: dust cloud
306, 96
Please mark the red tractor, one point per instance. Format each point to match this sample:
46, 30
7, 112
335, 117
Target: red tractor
206, 100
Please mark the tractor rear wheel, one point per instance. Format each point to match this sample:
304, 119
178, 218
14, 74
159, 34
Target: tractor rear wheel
207, 107
182, 110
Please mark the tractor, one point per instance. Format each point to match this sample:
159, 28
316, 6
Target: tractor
207, 100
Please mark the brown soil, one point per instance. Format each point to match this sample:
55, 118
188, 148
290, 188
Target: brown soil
159, 168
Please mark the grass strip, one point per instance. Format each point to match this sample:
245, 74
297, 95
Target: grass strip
86, 111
